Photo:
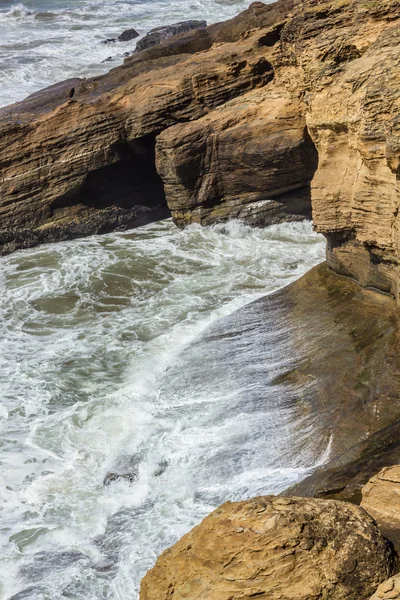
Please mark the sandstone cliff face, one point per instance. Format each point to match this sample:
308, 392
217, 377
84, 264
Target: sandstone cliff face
251, 159
235, 120
88, 164
275, 548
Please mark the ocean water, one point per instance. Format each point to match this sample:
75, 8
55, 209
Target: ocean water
45, 41
121, 353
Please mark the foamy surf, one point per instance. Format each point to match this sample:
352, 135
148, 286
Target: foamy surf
43, 42
112, 359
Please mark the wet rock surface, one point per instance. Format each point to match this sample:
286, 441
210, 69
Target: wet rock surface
160, 34
273, 547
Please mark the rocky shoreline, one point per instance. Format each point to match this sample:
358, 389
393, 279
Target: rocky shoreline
288, 108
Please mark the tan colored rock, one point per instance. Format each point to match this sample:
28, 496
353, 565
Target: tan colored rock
79, 158
388, 590
275, 548
253, 154
333, 64
381, 499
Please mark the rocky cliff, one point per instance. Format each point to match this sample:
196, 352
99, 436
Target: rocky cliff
286, 104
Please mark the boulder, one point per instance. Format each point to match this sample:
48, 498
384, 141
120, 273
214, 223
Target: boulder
160, 34
275, 548
381, 499
127, 35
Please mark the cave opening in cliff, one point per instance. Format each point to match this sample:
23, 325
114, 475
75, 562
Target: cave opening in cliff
130, 188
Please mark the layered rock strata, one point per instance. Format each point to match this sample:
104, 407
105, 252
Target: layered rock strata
275, 548
286, 104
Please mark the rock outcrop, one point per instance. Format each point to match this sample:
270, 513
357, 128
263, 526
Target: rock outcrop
221, 167
286, 104
275, 548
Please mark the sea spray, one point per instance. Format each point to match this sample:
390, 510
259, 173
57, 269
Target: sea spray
105, 361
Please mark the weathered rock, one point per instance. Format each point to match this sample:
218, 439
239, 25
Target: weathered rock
252, 159
388, 590
333, 63
160, 34
381, 499
275, 548
345, 474
87, 165
127, 35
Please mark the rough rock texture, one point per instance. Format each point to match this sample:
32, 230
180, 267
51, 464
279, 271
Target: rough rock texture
333, 65
160, 34
388, 590
381, 499
85, 165
217, 166
275, 548
127, 35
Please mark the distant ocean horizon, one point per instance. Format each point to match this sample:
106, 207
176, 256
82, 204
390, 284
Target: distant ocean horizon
45, 41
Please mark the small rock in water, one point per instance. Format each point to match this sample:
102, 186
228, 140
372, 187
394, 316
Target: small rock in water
162, 467
111, 477
159, 34
128, 34
126, 467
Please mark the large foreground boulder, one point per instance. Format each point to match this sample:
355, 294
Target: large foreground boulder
276, 548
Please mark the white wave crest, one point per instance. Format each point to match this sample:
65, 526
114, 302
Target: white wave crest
16, 12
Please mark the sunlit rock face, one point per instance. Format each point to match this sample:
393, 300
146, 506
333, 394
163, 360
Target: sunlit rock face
286, 105
275, 548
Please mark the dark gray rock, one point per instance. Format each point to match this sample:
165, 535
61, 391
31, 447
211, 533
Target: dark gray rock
126, 467
159, 34
128, 34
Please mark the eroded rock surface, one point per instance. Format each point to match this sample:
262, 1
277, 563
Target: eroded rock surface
388, 590
253, 155
381, 499
257, 99
275, 548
